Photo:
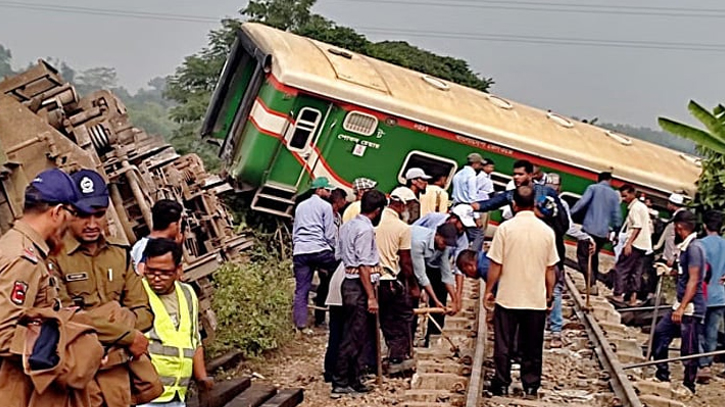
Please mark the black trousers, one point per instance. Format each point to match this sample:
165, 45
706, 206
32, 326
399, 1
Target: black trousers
434, 275
649, 277
628, 273
582, 256
337, 321
530, 325
396, 312
354, 335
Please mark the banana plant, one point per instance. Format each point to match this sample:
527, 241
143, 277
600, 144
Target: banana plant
712, 138
711, 143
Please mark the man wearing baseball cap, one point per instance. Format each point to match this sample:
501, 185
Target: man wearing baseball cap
94, 270
465, 191
25, 282
462, 217
314, 236
430, 252
359, 187
416, 180
393, 239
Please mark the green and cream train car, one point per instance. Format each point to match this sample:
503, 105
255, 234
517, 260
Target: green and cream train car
288, 109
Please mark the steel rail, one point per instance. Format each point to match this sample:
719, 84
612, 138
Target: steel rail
618, 379
475, 383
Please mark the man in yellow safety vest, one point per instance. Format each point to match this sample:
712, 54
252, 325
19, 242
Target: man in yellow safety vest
174, 341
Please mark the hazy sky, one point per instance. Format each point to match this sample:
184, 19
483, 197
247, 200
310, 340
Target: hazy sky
616, 83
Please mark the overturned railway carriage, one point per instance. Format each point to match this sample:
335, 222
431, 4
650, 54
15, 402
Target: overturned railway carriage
288, 109
44, 123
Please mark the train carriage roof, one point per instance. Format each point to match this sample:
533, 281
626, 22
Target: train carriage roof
332, 72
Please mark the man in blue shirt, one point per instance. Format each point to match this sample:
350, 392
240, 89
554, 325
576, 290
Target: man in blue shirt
358, 251
715, 254
688, 312
465, 191
473, 264
313, 238
462, 217
556, 217
602, 212
430, 252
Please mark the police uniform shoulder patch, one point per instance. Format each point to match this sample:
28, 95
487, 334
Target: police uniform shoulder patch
20, 288
29, 255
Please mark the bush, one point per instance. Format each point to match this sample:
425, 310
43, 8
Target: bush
253, 302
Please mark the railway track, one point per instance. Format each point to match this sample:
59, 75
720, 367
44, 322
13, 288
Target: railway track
589, 370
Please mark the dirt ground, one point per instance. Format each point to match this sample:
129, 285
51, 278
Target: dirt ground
299, 364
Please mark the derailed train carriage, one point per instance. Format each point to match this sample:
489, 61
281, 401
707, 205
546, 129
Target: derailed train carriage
288, 109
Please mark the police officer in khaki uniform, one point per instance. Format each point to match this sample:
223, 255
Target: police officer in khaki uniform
24, 279
94, 270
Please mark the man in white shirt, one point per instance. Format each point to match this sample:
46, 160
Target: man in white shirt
628, 270
166, 217
522, 260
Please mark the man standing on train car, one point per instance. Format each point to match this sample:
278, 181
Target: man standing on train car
628, 270
465, 191
313, 239
359, 254
685, 318
600, 208
359, 187
416, 180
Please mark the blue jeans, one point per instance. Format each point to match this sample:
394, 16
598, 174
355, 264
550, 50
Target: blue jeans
556, 320
475, 238
304, 267
689, 330
708, 340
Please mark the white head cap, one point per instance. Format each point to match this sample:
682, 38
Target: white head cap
464, 212
677, 199
414, 173
403, 194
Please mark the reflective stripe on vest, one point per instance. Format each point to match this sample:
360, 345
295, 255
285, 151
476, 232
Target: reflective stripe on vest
172, 349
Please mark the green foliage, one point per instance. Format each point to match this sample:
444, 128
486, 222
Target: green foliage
6, 59
193, 82
711, 142
252, 302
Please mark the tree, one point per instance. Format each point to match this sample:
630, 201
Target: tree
94, 79
193, 82
711, 142
6, 59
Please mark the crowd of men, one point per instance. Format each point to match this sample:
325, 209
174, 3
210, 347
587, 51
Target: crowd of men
387, 254
86, 320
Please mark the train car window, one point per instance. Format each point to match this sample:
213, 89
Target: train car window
298, 137
430, 163
500, 181
570, 198
360, 123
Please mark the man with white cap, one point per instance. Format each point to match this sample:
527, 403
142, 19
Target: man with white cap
465, 191
359, 187
393, 238
461, 216
675, 204
416, 180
